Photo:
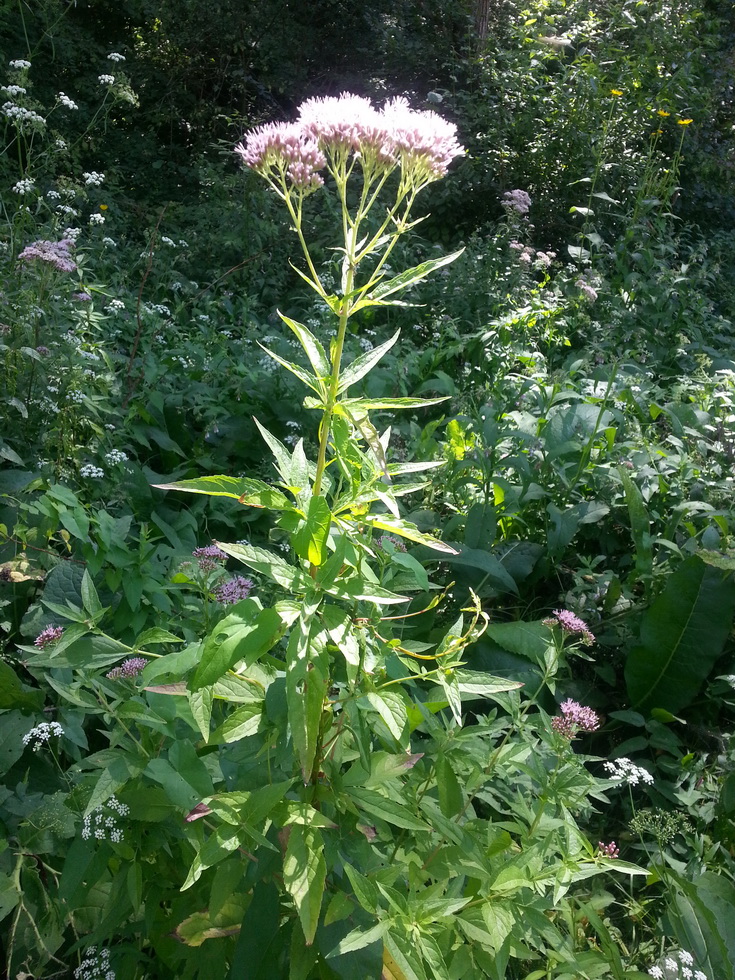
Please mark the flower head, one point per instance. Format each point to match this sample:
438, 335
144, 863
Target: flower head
623, 770
610, 850
574, 718
615, 91
571, 624
56, 254
234, 590
209, 557
42, 733
48, 636
128, 668
516, 202
285, 149
684, 122
663, 112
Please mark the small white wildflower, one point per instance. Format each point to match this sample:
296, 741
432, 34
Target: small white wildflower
656, 972
25, 186
41, 734
20, 64
106, 79
93, 179
60, 144
109, 426
66, 101
22, 115
116, 456
698, 975
96, 219
623, 769
53, 195
76, 396
109, 242
686, 958
115, 305
183, 244
671, 963
91, 471
115, 56
67, 209
13, 90
168, 241
72, 233
686, 973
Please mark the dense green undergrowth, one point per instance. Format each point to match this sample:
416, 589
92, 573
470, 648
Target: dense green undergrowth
428, 679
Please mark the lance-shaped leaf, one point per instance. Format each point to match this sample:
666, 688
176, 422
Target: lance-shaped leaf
312, 347
356, 407
268, 564
307, 677
411, 276
363, 364
310, 541
405, 529
301, 373
304, 874
252, 493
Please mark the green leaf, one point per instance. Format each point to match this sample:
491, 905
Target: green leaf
494, 571
528, 639
451, 799
411, 276
386, 809
245, 634
242, 722
267, 563
251, 493
304, 874
301, 373
392, 709
14, 694
355, 407
365, 891
359, 938
404, 529
363, 364
701, 915
640, 525
312, 347
156, 635
90, 599
306, 684
310, 541
682, 636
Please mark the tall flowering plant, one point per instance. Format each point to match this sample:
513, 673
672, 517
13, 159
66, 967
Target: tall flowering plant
322, 675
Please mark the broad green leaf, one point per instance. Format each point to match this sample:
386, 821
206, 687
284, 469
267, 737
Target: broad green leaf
156, 635
528, 639
312, 347
15, 694
245, 634
451, 799
242, 722
725, 561
365, 891
410, 276
354, 407
304, 874
640, 525
493, 568
310, 541
477, 682
200, 926
392, 709
360, 589
682, 637
251, 493
385, 809
363, 364
402, 958
217, 847
359, 938
701, 914
200, 703
281, 454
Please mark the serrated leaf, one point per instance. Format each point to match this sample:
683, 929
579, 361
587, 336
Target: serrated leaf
385, 809
405, 529
359, 938
411, 276
307, 666
267, 563
156, 635
245, 634
310, 541
301, 373
90, 599
241, 723
312, 347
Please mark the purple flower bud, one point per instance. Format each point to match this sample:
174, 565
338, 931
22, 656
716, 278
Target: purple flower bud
233, 591
48, 636
128, 668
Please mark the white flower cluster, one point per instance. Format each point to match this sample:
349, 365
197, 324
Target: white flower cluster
25, 186
21, 115
72, 233
13, 90
76, 396
100, 825
53, 195
67, 209
677, 968
66, 101
60, 144
115, 305
115, 56
106, 79
92, 471
95, 966
96, 219
92, 178
20, 64
41, 734
116, 456
110, 242
625, 770
158, 308
168, 241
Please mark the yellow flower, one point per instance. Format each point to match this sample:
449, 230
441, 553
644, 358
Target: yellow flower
663, 112
657, 132
103, 207
615, 91
683, 122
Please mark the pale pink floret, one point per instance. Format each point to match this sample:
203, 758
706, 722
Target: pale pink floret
422, 137
277, 145
348, 122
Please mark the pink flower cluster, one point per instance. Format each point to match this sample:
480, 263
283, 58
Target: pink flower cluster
56, 254
127, 669
421, 142
575, 718
209, 557
48, 636
610, 850
234, 590
571, 624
